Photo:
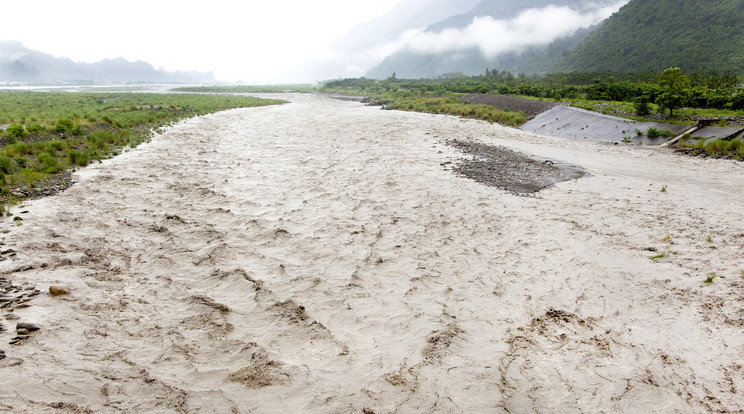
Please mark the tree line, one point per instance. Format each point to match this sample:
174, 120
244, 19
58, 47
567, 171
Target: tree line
670, 89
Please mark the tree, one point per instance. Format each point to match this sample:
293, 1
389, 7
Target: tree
675, 86
640, 104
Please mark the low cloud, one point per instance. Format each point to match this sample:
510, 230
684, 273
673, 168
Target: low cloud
532, 27
492, 37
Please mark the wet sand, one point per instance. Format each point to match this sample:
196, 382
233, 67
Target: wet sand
321, 256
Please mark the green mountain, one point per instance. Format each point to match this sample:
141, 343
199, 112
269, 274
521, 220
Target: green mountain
659, 34
536, 59
538, 54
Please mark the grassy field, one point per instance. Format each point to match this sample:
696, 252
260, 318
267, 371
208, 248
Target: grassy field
43, 134
429, 102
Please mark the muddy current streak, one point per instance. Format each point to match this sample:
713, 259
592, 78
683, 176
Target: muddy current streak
317, 257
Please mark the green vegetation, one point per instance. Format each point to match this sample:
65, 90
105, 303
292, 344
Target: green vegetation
711, 278
652, 132
685, 97
452, 106
674, 86
642, 35
660, 256
689, 34
733, 148
641, 106
52, 132
437, 96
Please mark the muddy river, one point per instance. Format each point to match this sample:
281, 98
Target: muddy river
323, 256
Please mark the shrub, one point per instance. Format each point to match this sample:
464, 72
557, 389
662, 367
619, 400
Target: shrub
77, 131
737, 102
18, 148
6, 164
717, 101
48, 163
640, 104
737, 146
14, 133
80, 159
64, 125
32, 175
652, 132
35, 128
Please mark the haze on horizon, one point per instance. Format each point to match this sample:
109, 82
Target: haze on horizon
253, 42
278, 41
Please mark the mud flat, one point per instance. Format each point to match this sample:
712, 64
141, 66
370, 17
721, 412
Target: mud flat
321, 256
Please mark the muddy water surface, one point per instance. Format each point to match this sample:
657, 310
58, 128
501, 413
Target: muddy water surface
321, 256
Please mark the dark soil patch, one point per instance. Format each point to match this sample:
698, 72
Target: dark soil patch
509, 170
46, 187
529, 107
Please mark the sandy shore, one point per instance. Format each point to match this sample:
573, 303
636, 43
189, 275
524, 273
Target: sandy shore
321, 256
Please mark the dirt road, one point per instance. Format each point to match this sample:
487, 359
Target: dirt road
321, 256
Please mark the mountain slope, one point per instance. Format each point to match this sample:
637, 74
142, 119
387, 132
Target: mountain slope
659, 34
19, 64
528, 36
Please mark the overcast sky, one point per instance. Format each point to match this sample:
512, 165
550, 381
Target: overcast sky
251, 40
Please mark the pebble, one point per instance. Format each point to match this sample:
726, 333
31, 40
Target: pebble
74, 259
58, 290
25, 325
2, 354
22, 331
23, 268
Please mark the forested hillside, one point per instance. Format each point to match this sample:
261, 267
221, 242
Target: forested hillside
658, 34
495, 35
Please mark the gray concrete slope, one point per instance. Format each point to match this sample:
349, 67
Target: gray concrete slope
576, 123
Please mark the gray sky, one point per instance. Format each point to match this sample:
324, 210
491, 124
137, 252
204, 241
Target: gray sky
252, 41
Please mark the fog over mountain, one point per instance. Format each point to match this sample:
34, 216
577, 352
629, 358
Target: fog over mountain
369, 43
428, 38
495, 34
23, 65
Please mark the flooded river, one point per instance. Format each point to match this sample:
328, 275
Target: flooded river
322, 256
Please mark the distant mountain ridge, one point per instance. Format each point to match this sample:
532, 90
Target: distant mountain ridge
20, 64
539, 57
